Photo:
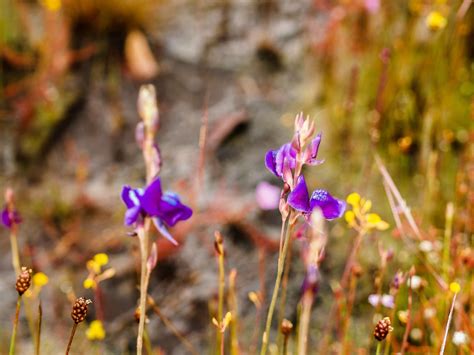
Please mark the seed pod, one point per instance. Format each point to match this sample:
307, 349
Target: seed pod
383, 327
23, 281
286, 327
79, 310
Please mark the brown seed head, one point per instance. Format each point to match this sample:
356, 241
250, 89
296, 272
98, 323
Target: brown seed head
79, 310
383, 327
23, 281
286, 327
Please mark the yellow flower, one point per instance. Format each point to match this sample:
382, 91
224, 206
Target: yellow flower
101, 259
353, 199
88, 283
374, 221
51, 5
93, 266
95, 331
350, 217
455, 287
40, 279
435, 21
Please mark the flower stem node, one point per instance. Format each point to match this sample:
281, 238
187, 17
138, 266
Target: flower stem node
383, 327
23, 282
79, 309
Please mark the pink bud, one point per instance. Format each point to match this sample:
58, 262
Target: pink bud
153, 258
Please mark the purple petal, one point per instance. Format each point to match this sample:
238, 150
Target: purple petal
171, 210
299, 197
132, 214
374, 300
150, 201
163, 230
7, 222
285, 154
270, 161
10, 218
267, 196
388, 301
330, 206
126, 191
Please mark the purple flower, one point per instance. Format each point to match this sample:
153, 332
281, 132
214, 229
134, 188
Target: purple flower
9, 218
267, 196
385, 300
281, 160
299, 199
165, 209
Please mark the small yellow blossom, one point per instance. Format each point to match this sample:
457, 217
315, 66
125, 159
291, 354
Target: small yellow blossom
95, 331
350, 217
455, 287
93, 266
101, 259
359, 218
88, 283
435, 21
353, 199
403, 316
40, 279
51, 5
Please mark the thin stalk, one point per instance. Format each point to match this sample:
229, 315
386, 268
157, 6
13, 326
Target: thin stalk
144, 277
73, 331
379, 348
220, 307
146, 339
447, 239
15, 326
15, 253
448, 323
280, 268
407, 329
234, 324
306, 303
349, 307
38, 333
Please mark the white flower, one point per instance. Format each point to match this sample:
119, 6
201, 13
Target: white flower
429, 312
460, 338
425, 246
414, 282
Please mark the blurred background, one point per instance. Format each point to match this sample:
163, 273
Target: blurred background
394, 78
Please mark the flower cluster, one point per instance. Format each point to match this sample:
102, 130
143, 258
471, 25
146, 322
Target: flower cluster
287, 162
359, 217
96, 274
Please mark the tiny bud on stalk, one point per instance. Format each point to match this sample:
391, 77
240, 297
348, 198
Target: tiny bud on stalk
383, 327
23, 281
79, 309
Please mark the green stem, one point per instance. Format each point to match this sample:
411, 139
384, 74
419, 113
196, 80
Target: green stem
379, 348
15, 253
281, 264
38, 334
15, 326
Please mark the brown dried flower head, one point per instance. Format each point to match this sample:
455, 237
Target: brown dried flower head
79, 310
286, 327
383, 327
23, 281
